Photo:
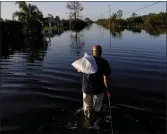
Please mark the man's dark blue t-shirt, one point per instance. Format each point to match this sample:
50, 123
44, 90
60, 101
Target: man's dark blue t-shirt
94, 83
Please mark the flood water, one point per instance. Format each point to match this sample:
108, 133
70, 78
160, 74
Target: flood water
39, 87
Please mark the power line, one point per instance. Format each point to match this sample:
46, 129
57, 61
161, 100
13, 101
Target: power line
142, 8
109, 15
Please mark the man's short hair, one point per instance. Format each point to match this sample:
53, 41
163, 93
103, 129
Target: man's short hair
97, 50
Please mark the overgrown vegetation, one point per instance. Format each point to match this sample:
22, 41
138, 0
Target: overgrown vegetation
150, 20
29, 20
30, 16
13, 40
75, 9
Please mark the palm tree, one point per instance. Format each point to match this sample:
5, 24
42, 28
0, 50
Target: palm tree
28, 14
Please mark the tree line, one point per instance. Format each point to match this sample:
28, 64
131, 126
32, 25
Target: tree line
29, 19
24, 31
150, 20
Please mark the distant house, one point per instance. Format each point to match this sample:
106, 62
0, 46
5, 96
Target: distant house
54, 21
87, 20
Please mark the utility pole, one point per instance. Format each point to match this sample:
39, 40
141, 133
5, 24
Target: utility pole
102, 22
102, 16
109, 16
69, 17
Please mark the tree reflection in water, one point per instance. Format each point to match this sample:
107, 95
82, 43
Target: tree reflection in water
52, 32
77, 42
134, 29
36, 49
33, 48
155, 31
116, 32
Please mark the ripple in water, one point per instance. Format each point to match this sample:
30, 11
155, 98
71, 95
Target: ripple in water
40, 91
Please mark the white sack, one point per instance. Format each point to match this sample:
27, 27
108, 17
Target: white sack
86, 65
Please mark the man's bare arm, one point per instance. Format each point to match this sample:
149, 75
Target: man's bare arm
106, 81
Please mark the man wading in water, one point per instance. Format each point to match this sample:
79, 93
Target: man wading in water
94, 86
